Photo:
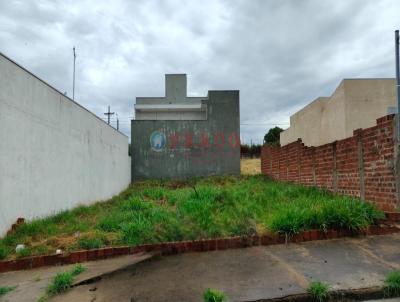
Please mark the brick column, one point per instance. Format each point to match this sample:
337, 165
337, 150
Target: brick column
361, 164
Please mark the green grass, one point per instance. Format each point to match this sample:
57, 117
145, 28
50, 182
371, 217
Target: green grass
63, 281
6, 289
392, 284
319, 291
157, 211
213, 295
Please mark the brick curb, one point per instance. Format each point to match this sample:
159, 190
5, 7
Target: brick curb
171, 248
392, 216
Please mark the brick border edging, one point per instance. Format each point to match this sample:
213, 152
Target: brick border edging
203, 245
392, 216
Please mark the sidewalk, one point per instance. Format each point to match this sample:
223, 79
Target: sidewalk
243, 274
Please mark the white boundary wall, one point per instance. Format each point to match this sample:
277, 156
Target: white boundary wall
54, 154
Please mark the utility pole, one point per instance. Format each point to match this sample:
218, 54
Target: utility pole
109, 114
117, 124
396, 41
73, 79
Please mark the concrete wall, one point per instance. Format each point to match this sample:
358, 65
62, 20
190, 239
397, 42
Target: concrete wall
191, 148
54, 154
356, 103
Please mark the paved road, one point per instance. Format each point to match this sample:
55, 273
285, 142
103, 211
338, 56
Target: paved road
250, 274
243, 274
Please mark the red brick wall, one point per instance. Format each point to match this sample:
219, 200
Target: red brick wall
362, 165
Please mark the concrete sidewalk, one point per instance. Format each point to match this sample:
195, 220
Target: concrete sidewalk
243, 274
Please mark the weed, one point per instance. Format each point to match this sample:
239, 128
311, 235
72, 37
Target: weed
25, 252
159, 211
90, 243
78, 269
318, 290
3, 252
392, 284
213, 295
63, 281
6, 289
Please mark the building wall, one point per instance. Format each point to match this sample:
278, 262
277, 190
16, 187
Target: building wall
362, 165
192, 148
54, 154
356, 103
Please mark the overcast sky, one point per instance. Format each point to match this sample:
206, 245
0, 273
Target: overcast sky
280, 54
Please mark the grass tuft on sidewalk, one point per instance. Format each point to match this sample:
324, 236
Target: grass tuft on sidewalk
158, 211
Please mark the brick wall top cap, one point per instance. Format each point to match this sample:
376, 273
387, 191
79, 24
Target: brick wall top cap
385, 118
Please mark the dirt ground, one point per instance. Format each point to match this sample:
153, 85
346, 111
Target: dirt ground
250, 166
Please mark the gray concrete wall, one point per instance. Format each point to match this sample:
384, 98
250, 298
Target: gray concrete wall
54, 154
192, 148
356, 103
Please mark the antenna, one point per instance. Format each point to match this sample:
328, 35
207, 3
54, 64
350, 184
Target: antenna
73, 78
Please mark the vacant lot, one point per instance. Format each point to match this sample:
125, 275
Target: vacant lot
156, 211
250, 166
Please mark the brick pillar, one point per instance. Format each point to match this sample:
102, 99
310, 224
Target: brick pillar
299, 149
313, 167
361, 164
396, 159
334, 172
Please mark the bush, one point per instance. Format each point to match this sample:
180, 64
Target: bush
318, 290
392, 284
213, 295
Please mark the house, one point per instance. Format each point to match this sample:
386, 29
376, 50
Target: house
356, 103
178, 136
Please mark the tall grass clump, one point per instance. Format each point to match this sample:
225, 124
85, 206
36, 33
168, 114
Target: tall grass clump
392, 284
330, 213
6, 289
319, 291
213, 295
63, 281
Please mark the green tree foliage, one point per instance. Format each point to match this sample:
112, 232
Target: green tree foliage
272, 137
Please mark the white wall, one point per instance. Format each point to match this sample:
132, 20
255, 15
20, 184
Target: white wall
54, 154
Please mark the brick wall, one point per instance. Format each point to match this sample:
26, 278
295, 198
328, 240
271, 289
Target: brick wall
362, 165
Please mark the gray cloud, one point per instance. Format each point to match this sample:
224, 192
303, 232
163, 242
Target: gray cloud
280, 54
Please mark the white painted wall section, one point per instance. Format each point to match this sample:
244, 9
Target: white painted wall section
54, 154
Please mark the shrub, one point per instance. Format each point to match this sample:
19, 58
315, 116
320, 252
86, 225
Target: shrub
213, 295
318, 290
392, 284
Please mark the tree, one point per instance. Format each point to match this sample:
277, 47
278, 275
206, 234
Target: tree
273, 135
